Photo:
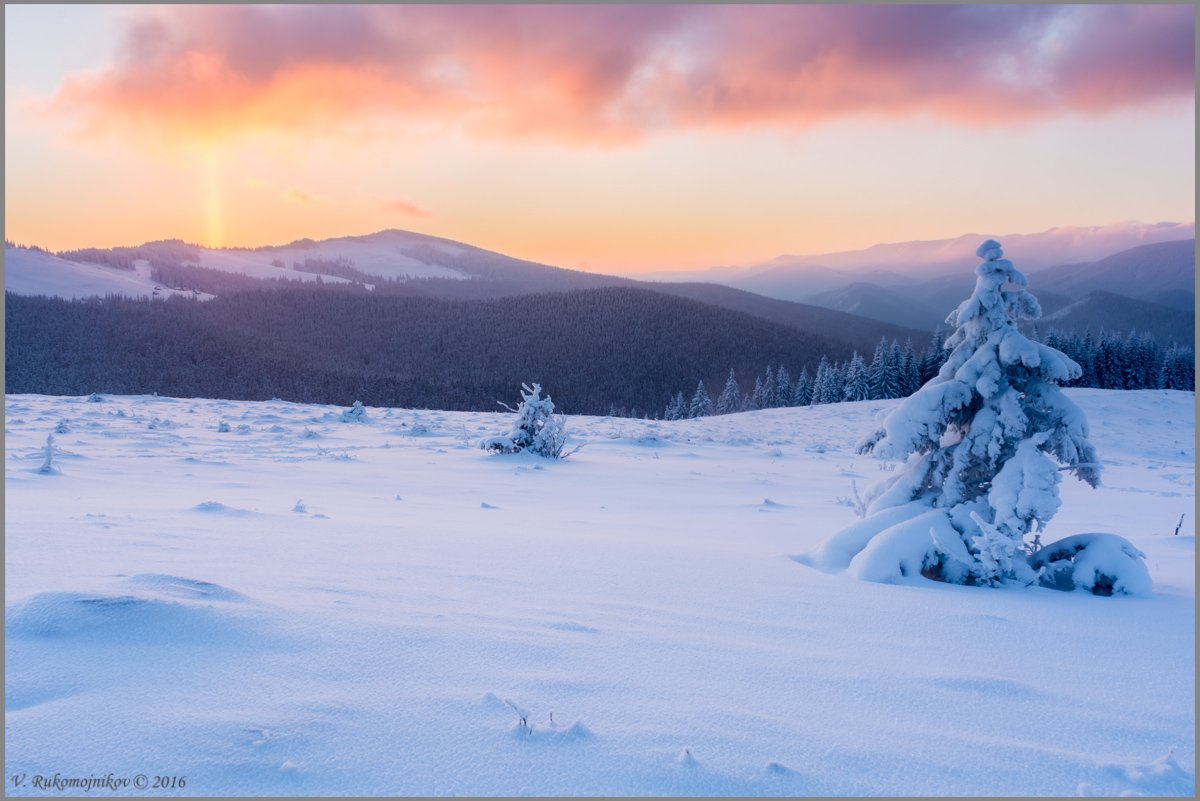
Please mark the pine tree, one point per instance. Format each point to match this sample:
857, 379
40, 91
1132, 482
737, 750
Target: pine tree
1179, 369
856, 380
826, 388
1110, 357
877, 372
894, 380
933, 357
701, 405
802, 389
783, 387
769, 390
758, 397
730, 400
910, 371
1088, 350
675, 408
974, 496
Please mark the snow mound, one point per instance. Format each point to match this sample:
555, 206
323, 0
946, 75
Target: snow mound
905, 549
835, 553
216, 507
115, 618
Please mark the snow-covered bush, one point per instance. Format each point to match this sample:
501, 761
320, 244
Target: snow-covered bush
1102, 564
355, 414
536, 428
985, 441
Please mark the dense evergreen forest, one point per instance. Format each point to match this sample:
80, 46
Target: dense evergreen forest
593, 350
616, 350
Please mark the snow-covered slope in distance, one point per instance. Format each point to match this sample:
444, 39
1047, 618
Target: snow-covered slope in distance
389, 254
300, 606
28, 271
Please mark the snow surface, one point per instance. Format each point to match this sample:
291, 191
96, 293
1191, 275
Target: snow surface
301, 606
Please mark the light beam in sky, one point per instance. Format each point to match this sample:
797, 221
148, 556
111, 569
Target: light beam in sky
214, 225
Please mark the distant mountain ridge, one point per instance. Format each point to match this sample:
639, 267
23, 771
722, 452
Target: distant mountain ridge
1157, 279
1030, 252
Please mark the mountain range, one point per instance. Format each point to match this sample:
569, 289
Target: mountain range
884, 282
437, 308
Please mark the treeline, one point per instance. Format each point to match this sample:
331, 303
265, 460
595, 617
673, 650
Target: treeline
1108, 361
590, 349
893, 372
1111, 360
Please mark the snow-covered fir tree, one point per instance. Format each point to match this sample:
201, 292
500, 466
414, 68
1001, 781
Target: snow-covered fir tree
1179, 369
856, 388
770, 391
802, 389
701, 405
758, 398
931, 362
910, 371
825, 387
730, 400
983, 442
676, 408
783, 387
881, 372
895, 374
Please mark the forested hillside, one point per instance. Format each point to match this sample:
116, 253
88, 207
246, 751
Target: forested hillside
591, 349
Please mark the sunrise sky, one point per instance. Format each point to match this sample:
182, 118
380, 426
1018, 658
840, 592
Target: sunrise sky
611, 138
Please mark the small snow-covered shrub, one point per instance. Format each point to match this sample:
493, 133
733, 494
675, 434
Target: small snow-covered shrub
1102, 564
223, 427
355, 414
48, 456
536, 428
95, 397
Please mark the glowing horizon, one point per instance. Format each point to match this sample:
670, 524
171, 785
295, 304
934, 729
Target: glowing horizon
609, 138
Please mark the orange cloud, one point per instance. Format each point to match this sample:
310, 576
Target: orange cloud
611, 74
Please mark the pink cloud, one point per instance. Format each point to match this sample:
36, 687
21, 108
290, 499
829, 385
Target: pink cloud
611, 74
404, 207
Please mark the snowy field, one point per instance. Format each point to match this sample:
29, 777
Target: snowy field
301, 606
